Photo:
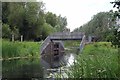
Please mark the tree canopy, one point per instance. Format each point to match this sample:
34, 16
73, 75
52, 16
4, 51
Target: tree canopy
30, 20
116, 33
100, 25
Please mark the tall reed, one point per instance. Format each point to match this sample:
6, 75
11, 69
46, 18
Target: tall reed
98, 60
19, 49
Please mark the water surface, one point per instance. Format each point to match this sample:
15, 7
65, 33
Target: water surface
33, 68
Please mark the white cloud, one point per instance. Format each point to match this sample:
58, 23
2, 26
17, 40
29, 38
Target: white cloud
78, 12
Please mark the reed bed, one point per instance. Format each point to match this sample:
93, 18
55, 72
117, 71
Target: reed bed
98, 60
20, 49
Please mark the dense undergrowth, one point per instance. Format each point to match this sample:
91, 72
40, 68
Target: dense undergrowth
20, 49
98, 60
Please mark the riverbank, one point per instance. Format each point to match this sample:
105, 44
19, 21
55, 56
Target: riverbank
16, 50
14, 58
98, 60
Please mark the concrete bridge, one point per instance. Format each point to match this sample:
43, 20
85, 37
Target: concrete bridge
64, 36
52, 48
67, 36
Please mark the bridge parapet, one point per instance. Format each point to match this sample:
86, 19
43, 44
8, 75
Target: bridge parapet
66, 36
67, 33
44, 44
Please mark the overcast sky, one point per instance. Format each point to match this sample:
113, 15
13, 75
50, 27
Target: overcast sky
78, 12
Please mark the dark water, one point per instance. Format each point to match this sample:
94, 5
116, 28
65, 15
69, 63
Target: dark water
26, 69
30, 69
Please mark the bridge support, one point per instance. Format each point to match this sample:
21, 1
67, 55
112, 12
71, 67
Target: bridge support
51, 53
82, 43
89, 39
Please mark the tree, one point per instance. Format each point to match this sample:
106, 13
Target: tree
47, 30
99, 25
6, 31
25, 18
51, 19
31, 16
30, 20
116, 38
61, 23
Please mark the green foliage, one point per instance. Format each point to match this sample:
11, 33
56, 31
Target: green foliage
61, 24
0, 48
109, 38
46, 30
58, 22
116, 37
100, 25
15, 14
19, 49
5, 12
6, 31
51, 18
98, 60
71, 44
15, 32
32, 20
29, 19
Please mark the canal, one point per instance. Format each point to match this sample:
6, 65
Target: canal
35, 68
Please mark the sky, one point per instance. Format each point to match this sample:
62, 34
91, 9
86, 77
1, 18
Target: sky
77, 12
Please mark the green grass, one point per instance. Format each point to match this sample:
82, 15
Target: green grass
98, 60
0, 48
20, 49
69, 44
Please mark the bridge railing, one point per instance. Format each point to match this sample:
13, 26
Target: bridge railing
44, 44
82, 44
66, 35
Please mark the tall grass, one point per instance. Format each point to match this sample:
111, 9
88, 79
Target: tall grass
98, 60
0, 48
71, 43
19, 49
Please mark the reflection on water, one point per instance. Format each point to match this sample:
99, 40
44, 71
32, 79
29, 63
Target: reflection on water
71, 59
60, 66
22, 68
31, 69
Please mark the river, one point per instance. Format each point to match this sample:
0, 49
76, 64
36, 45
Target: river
33, 68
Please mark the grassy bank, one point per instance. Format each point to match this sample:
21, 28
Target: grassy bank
0, 48
20, 49
71, 43
98, 60
71, 46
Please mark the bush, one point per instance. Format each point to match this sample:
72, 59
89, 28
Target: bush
6, 31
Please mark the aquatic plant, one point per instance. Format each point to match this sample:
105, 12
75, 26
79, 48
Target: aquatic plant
98, 60
20, 49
